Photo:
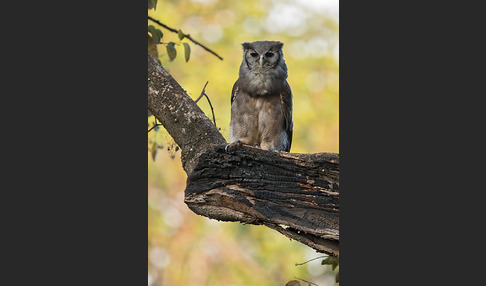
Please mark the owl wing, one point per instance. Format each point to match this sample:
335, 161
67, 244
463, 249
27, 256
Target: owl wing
234, 92
286, 101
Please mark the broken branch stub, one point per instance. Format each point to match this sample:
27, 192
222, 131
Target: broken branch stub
295, 194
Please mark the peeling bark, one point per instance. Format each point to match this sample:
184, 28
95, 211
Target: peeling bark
294, 194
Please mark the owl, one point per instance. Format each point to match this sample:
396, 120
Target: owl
261, 99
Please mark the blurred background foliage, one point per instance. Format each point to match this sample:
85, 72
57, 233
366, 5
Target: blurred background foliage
187, 249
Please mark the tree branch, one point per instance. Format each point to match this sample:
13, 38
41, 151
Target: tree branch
203, 93
191, 129
185, 35
294, 194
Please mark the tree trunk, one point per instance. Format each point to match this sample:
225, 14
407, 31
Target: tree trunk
191, 129
295, 194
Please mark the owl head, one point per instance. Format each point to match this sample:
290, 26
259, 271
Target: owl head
262, 56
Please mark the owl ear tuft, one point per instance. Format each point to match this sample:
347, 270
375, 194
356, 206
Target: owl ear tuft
279, 45
246, 45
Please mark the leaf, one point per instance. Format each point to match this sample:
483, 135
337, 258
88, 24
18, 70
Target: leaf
326, 261
187, 51
151, 30
171, 51
152, 48
156, 34
333, 261
160, 34
152, 4
154, 150
180, 34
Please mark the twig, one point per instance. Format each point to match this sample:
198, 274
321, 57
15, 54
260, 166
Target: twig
297, 264
155, 125
185, 35
203, 92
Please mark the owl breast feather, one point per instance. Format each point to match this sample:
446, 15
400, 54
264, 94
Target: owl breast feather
261, 83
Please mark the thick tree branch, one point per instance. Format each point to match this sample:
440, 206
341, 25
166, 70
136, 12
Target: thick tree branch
294, 194
191, 129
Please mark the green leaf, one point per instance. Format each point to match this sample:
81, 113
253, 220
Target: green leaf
171, 51
152, 4
156, 34
180, 34
187, 51
326, 261
151, 29
333, 261
161, 35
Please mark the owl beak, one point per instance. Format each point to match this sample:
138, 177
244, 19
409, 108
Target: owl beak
261, 60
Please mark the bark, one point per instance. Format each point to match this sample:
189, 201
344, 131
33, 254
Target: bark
295, 194
191, 129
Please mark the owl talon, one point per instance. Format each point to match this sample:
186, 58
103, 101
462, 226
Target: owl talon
229, 148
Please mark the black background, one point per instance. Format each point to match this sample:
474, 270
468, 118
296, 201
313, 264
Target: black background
74, 101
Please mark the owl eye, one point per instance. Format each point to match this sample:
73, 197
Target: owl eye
254, 54
269, 54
